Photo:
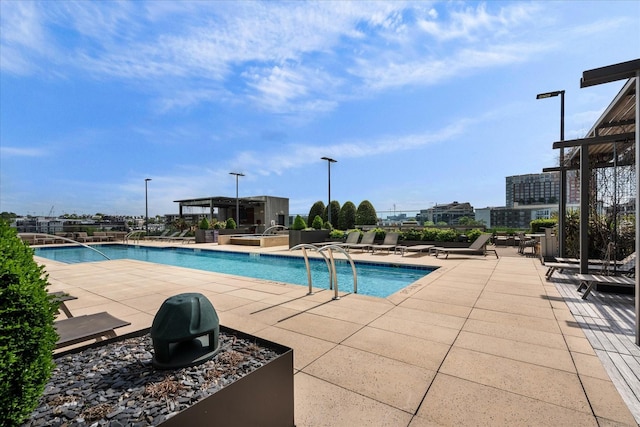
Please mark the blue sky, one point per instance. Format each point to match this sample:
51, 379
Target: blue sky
420, 102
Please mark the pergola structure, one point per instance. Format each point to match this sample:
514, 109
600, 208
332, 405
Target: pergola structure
611, 142
261, 210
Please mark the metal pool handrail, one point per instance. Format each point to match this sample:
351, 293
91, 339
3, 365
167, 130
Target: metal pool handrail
264, 233
353, 266
67, 239
333, 275
133, 233
304, 247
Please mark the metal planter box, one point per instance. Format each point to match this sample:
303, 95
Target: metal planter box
263, 397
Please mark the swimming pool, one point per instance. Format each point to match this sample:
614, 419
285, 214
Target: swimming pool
380, 280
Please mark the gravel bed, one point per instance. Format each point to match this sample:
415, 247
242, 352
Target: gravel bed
116, 384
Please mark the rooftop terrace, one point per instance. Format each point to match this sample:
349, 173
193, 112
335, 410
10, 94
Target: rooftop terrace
480, 341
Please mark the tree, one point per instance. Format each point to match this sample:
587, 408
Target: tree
366, 214
347, 216
335, 212
316, 209
27, 334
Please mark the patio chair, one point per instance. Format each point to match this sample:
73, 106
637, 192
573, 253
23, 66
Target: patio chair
390, 242
352, 238
478, 247
417, 248
524, 242
173, 235
627, 266
78, 329
160, 237
365, 243
590, 281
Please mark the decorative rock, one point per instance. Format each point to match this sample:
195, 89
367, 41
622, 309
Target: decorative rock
125, 389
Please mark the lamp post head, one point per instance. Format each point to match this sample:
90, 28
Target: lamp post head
147, 179
236, 174
329, 159
549, 94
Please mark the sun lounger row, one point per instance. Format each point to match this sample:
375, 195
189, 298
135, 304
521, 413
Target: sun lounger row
478, 247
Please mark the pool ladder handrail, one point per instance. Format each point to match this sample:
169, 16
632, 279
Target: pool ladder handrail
333, 276
131, 234
264, 233
67, 239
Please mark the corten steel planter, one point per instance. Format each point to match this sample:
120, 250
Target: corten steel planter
263, 397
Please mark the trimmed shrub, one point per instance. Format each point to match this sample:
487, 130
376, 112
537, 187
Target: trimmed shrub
27, 335
317, 222
446, 235
203, 224
231, 224
298, 223
335, 212
337, 234
366, 214
347, 216
537, 225
411, 235
327, 226
473, 234
430, 234
317, 209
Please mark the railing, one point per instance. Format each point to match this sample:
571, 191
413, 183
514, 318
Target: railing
65, 239
264, 233
131, 234
333, 275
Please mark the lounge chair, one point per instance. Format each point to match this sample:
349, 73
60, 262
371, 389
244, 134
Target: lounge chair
78, 329
160, 237
589, 281
627, 266
365, 243
352, 238
179, 236
171, 236
417, 248
390, 242
478, 247
60, 298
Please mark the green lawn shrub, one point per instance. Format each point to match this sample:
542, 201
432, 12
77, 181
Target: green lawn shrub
27, 335
298, 223
231, 224
317, 222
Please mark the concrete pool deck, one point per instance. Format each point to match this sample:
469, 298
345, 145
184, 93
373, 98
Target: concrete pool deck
480, 341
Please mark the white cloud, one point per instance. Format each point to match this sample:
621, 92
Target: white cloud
21, 152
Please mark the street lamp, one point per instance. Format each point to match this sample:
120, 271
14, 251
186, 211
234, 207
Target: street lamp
237, 174
329, 161
563, 173
146, 206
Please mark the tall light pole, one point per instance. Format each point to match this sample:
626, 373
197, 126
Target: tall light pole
146, 206
562, 207
329, 161
237, 174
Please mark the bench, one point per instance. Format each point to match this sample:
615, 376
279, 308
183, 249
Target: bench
588, 281
77, 329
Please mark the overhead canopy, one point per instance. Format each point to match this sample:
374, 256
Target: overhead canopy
222, 202
612, 136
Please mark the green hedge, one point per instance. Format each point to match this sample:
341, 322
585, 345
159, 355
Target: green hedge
27, 335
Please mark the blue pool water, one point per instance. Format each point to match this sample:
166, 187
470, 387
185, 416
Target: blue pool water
380, 280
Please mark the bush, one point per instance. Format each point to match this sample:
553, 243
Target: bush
327, 226
231, 224
473, 234
537, 225
411, 235
366, 214
335, 212
298, 223
27, 335
337, 234
317, 222
430, 234
203, 224
347, 216
316, 209
446, 235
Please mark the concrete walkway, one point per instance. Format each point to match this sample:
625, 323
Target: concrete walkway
479, 341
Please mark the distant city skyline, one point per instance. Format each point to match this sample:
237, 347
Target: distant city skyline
420, 103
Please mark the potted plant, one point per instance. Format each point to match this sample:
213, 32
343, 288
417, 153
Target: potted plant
299, 233
201, 231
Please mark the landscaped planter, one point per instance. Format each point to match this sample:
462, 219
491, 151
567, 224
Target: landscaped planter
207, 236
262, 396
297, 237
